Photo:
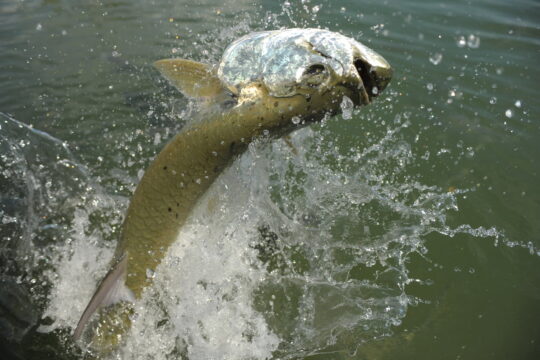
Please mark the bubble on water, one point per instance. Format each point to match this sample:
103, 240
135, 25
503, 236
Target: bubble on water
316, 9
493, 100
39, 27
436, 58
429, 86
64, 32
347, 107
499, 71
517, 103
296, 120
150, 274
461, 42
473, 41
509, 113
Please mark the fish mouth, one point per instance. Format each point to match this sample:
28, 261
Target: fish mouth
369, 81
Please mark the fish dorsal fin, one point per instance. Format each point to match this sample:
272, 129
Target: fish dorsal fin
193, 79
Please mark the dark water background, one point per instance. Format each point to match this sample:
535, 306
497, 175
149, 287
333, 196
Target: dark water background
444, 229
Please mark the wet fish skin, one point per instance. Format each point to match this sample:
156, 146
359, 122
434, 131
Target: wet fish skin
190, 163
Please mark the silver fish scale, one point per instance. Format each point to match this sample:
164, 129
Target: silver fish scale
279, 58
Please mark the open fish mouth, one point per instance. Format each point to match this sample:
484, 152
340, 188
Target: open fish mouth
369, 81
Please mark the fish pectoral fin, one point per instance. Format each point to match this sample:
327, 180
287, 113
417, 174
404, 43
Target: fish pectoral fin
191, 78
111, 290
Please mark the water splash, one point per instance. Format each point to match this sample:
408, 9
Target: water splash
59, 219
300, 247
313, 255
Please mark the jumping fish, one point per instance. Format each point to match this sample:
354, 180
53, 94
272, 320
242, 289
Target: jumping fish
267, 84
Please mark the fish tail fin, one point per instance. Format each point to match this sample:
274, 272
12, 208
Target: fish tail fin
111, 290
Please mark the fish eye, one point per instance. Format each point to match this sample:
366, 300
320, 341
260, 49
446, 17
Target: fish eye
315, 75
314, 69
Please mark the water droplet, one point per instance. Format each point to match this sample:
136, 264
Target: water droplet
436, 58
473, 41
295, 120
517, 103
493, 100
347, 108
375, 90
39, 27
157, 137
461, 42
509, 113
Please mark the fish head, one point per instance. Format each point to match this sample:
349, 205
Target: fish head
306, 62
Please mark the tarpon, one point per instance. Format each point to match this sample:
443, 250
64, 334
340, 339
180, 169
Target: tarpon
267, 84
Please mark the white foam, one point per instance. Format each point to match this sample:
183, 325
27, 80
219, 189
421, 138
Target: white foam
79, 265
203, 288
